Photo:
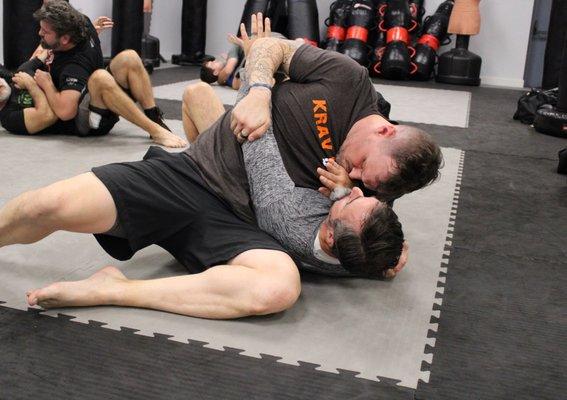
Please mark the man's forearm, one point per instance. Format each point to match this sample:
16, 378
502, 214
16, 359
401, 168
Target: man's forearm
266, 56
59, 104
39, 98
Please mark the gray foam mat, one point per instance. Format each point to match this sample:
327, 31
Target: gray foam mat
381, 328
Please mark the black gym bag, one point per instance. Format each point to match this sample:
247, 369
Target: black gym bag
531, 101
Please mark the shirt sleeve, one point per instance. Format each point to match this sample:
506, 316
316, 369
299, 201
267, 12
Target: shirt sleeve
73, 77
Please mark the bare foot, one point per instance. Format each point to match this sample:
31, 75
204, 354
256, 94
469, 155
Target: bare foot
166, 138
93, 291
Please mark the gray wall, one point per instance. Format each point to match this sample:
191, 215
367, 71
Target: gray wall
502, 42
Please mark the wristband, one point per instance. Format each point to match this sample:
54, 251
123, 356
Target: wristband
262, 85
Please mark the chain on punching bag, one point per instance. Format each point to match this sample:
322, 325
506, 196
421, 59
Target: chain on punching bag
20, 31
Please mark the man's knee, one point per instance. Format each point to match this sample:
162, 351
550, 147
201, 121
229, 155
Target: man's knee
100, 80
196, 91
126, 59
277, 293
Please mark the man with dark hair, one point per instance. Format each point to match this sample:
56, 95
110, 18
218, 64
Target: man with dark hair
354, 236
86, 99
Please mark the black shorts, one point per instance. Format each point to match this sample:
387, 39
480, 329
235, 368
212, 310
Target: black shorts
12, 119
163, 200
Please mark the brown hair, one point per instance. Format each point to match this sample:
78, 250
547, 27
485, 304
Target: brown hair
207, 73
418, 160
64, 19
376, 249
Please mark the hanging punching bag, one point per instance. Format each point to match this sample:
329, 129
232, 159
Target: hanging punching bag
303, 20
252, 7
128, 16
20, 31
193, 33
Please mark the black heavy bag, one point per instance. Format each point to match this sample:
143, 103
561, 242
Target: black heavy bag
20, 31
398, 23
552, 120
360, 20
378, 39
150, 44
303, 21
336, 24
434, 33
193, 33
252, 7
128, 16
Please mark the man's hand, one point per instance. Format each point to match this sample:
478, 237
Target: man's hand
102, 23
259, 28
43, 79
331, 178
391, 273
23, 80
251, 117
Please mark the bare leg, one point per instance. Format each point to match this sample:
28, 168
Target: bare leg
256, 282
80, 204
105, 93
128, 70
201, 108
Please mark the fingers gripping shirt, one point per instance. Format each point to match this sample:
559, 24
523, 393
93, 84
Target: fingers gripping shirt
289, 213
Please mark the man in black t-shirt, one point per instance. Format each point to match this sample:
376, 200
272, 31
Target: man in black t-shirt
87, 99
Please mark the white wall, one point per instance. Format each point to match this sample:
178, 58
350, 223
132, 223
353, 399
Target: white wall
502, 42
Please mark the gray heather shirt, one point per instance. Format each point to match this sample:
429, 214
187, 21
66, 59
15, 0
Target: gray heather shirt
291, 214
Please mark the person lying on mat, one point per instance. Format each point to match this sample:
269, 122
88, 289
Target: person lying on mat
299, 217
356, 236
23, 105
85, 98
224, 69
174, 201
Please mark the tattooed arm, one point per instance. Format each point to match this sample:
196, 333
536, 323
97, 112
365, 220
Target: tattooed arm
266, 56
252, 116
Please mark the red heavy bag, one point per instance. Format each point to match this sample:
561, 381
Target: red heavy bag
398, 23
360, 20
434, 33
336, 24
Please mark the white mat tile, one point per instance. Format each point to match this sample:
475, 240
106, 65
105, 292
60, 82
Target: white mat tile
409, 104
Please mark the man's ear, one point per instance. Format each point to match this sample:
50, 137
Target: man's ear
329, 236
386, 130
65, 39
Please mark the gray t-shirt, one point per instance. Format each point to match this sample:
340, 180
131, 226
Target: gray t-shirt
291, 214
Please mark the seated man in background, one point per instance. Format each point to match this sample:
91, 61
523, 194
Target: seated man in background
86, 99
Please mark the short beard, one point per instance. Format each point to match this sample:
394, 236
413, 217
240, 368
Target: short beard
339, 192
47, 46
